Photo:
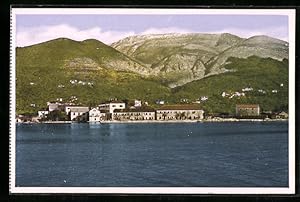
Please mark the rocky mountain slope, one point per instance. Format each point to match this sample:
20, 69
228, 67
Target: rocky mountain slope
182, 58
172, 67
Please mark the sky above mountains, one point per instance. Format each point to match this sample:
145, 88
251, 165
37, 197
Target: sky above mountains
32, 29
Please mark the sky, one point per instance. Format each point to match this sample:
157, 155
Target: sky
33, 29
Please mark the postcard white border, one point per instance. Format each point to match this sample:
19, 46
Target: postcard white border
154, 190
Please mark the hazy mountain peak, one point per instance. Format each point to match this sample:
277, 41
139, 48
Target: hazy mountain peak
265, 39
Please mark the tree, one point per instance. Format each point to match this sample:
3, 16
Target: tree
57, 115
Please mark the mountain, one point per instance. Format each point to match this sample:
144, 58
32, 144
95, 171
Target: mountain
263, 81
172, 67
181, 58
48, 71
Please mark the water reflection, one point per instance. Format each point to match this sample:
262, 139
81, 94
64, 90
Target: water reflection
116, 154
94, 125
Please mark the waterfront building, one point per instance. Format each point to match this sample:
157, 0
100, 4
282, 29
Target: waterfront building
180, 112
43, 113
111, 106
282, 115
77, 113
247, 110
95, 115
143, 113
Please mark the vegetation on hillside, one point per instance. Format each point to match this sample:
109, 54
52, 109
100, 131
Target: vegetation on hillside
78, 72
262, 74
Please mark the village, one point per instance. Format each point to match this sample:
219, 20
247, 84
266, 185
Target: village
139, 111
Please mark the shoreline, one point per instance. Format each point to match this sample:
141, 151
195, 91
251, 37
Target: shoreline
161, 121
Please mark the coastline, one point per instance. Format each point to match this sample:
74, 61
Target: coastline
162, 121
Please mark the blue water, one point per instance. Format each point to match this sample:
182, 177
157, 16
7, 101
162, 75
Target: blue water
243, 154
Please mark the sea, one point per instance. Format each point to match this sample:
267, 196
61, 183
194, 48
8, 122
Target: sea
204, 154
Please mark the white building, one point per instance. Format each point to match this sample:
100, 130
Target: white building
43, 113
180, 112
111, 106
77, 112
204, 98
247, 89
160, 102
134, 114
95, 115
137, 103
52, 106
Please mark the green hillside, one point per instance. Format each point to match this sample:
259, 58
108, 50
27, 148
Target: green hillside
44, 72
264, 74
93, 72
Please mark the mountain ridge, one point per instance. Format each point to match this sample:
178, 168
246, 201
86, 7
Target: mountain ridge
167, 68
205, 53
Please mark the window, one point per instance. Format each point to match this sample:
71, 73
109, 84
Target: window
121, 105
113, 105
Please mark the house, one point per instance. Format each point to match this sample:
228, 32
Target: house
111, 106
160, 102
282, 115
52, 106
95, 115
247, 89
77, 113
143, 113
247, 110
20, 118
137, 103
43, 113
184, 100
180, 112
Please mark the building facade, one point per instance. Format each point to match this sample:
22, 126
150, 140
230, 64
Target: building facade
134, 114
52, 106
77, 113
111, 106
247, 110
95, 115
137, 103
180, 112
43, 113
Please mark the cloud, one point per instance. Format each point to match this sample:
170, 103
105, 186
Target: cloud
276, 32
165, 30
34, 35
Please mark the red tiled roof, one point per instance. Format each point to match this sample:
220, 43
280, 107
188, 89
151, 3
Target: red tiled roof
247, 105
180, 107
135, 110
79, 109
